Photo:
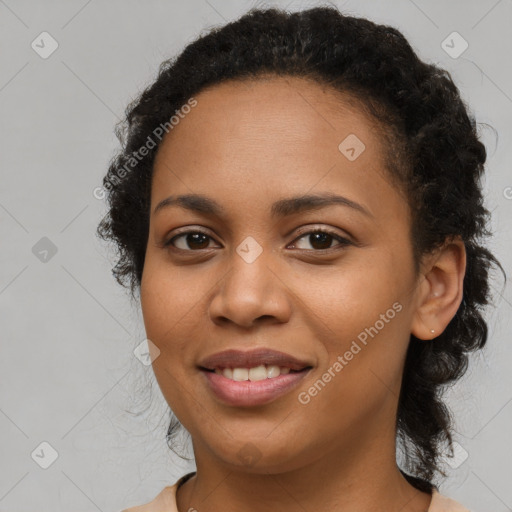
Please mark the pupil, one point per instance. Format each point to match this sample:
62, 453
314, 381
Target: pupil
323, 238
195, 238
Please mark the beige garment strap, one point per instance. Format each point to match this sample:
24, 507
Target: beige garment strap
441, 503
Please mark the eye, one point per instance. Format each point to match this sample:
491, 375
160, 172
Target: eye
321, 239
192, 239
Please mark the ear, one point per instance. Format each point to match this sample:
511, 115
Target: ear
440, 291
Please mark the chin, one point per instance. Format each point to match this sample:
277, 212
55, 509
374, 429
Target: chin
261, 456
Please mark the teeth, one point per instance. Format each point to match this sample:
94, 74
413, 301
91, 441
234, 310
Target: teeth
252, 374
240, 373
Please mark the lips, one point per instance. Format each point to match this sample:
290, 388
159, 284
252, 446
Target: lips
252, 394
252, 358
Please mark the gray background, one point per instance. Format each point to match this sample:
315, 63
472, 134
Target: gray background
68, 373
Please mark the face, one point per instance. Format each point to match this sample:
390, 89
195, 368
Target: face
332, 285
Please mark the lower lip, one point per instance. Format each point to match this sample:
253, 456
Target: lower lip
247, 393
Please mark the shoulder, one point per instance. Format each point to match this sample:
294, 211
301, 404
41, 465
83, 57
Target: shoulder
442, 503
165, 501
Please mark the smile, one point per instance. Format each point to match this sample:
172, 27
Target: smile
244, 387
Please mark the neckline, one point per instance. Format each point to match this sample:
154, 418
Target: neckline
434, 494
184, 478
188, 476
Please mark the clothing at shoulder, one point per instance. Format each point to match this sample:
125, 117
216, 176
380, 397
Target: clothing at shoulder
165, 501
441, 503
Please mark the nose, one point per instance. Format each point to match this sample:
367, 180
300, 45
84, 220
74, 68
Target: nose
250, 293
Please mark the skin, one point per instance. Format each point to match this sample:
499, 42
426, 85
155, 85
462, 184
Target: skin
246, 145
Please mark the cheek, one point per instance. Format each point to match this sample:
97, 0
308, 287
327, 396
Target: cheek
164, 308
169, 300
360, 317
344, 300
360, 375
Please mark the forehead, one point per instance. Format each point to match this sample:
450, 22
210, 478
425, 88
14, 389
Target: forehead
268, 121
255, 141
295, 108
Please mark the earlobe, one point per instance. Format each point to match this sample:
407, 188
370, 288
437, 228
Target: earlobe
441, 290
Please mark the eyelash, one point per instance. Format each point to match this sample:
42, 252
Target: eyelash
343, 242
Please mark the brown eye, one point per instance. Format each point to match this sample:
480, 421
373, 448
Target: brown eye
321, 240
192, 240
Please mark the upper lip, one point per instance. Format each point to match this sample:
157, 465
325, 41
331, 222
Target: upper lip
250, 358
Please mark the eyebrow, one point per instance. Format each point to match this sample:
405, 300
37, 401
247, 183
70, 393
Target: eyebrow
282, 208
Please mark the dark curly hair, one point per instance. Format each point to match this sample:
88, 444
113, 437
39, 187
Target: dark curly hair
434, 156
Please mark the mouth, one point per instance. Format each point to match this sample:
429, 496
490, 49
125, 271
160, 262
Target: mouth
258, 357
242, 387
250, 378
255, 373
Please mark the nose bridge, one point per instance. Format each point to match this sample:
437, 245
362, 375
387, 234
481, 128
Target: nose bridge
250, 250
251, 268
250, 289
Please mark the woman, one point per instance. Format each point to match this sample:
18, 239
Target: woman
298, 202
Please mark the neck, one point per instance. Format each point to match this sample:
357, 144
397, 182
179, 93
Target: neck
343, 478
